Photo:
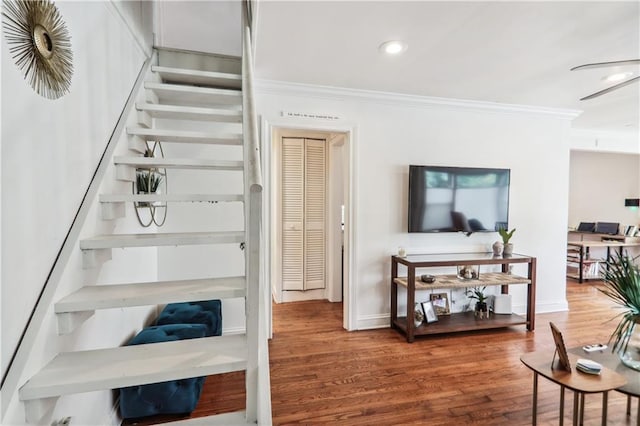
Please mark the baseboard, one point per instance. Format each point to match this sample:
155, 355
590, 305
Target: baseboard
233, 330
545, 308
370, 322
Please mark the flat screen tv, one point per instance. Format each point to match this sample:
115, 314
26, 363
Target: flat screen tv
458, 199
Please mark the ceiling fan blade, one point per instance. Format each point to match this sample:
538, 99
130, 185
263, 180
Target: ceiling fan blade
611, 89
606, 64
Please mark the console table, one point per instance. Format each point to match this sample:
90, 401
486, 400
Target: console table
463, 321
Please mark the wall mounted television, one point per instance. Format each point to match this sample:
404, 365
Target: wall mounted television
458, 199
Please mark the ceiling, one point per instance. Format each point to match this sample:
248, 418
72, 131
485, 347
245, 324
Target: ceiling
507, 52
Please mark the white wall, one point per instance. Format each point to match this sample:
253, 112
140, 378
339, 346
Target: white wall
203, 26
393, 131
50, 150
599, 182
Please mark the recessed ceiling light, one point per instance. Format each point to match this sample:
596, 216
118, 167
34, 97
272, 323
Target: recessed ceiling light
619, 76
393, 47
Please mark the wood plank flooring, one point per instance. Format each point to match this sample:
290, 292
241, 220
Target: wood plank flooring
323, 374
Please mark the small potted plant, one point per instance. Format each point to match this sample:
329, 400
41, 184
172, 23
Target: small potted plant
622, 285
147, 182
506, 236
481, 309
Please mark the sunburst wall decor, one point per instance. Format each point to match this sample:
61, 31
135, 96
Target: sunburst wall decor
40, 45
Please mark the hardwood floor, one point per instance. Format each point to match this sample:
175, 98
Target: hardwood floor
321, 373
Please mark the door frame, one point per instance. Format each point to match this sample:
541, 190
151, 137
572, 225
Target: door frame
269, 137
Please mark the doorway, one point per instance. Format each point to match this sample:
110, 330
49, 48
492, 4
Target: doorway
335, 287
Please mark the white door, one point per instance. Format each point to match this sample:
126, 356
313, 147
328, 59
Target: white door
303, 213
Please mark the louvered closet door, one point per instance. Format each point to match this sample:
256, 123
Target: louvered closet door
303, 213
292, 213
314, 217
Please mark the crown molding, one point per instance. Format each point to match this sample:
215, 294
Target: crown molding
273, 87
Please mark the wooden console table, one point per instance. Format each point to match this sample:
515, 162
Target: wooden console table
463, 321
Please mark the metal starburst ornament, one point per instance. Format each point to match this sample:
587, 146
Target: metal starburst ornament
40, 45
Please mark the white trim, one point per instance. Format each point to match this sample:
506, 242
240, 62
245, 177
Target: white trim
372, 322
548, 307
340, 93
233, 330
350, 130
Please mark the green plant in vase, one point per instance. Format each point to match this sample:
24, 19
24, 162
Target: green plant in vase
506, 236
622, 285
481, 309
147, 182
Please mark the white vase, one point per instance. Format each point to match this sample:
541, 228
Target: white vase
508, 249
497, 248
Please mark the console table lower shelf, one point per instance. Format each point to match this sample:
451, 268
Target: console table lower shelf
464, 321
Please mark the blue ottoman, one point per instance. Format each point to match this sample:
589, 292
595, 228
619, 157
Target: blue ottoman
207, 312
172, 397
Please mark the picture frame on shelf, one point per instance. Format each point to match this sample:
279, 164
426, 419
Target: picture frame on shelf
429, 312
440, 302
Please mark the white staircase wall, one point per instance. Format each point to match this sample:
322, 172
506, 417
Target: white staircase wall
205, 261
50, 150
203, 26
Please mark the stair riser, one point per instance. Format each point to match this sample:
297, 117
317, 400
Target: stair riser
158, 240
116, 209
195, 116
184, 95
198, 78
127, 172
230, 139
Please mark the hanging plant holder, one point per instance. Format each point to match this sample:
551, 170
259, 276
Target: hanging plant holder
151, 181
40, 45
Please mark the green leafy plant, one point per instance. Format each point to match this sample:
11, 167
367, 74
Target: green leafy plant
506, 235
477, 293
147, 182
622, 285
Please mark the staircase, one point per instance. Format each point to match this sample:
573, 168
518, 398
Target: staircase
175, 98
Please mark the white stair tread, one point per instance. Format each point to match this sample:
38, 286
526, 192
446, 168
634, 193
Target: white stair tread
94, 297
179, 163
179, 112
163, 239
227, 419
185, 136
196, 77
112, 368
170, 198
204, 96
